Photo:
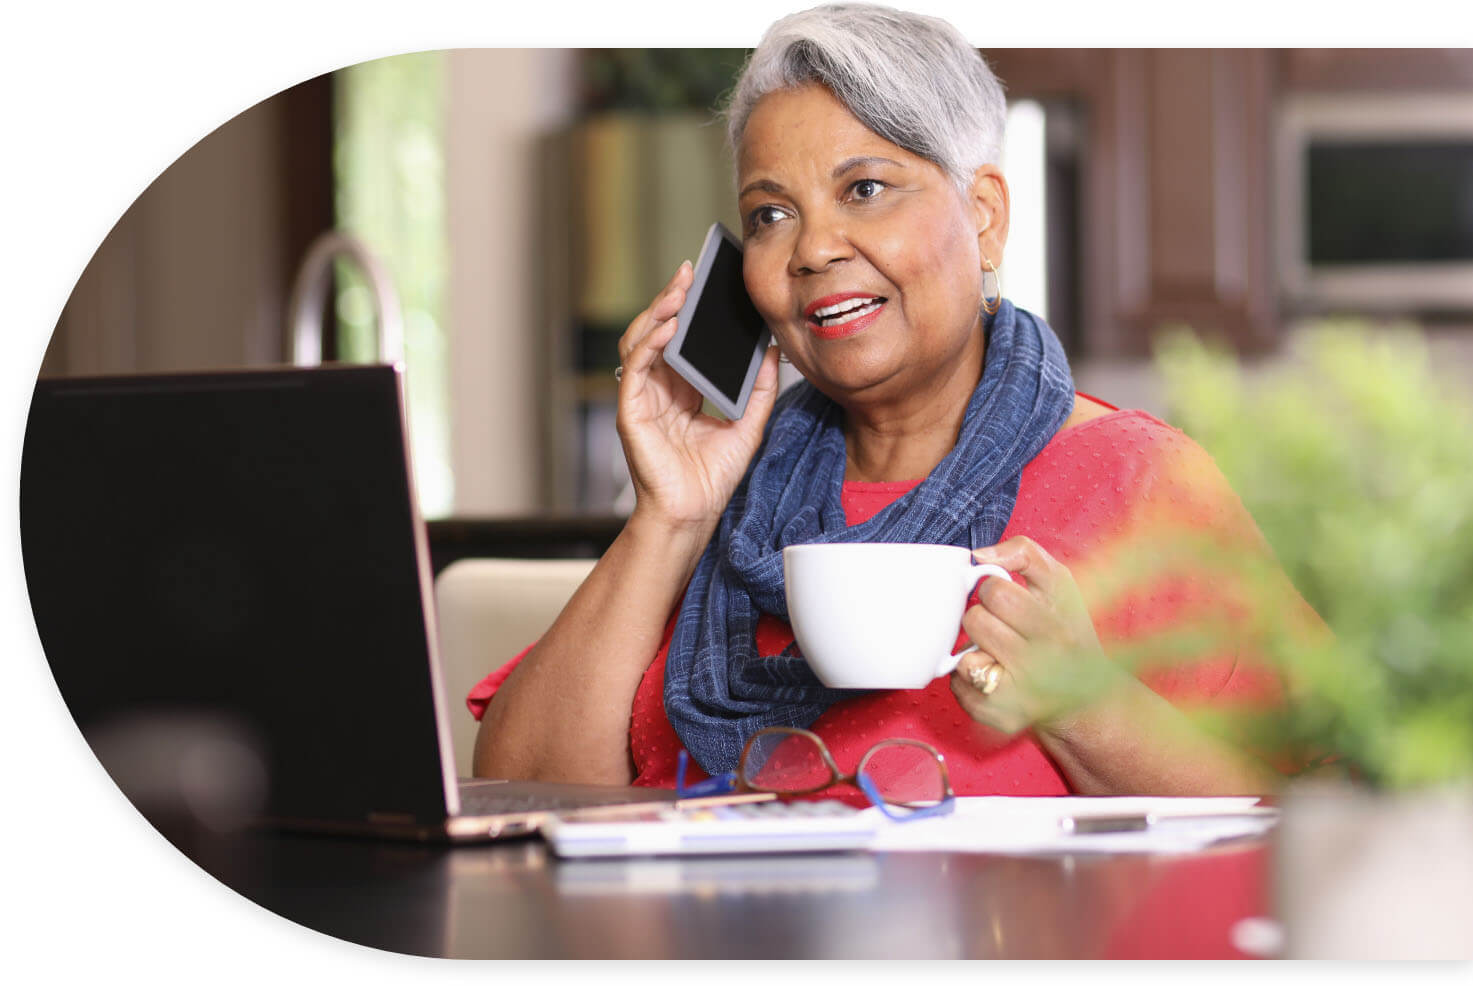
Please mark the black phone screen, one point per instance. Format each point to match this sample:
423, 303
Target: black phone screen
725, 328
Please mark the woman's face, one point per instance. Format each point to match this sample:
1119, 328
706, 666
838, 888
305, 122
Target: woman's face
864, 258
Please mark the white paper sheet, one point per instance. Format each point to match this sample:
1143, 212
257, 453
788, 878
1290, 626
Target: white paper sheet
1033, 825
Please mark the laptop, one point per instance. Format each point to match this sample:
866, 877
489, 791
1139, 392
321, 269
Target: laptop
232, 585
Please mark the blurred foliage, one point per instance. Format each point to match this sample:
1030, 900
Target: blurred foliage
1356, 461
658, 79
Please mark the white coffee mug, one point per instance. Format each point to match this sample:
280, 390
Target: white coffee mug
875, 615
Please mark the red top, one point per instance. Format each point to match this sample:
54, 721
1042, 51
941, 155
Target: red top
1094, 488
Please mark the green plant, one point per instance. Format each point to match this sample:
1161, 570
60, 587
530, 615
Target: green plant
1356, 460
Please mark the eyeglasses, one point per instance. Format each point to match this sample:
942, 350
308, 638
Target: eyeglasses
904, 778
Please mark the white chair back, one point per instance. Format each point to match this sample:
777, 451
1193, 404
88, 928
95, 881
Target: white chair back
489, 609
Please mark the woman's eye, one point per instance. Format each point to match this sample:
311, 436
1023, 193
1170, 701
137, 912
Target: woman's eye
867, 188
764, 215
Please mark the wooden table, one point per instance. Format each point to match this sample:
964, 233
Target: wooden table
517, 900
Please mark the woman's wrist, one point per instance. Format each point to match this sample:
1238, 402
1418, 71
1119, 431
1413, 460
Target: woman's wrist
651, 532
1075, 725
675, 531
1097, 743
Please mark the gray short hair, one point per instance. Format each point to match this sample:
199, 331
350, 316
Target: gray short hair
911, 78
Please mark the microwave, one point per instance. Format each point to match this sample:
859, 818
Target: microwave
1374, 203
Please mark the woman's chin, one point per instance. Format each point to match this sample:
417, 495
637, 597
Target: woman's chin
853, 382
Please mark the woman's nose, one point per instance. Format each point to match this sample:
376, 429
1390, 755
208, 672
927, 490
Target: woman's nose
820, 243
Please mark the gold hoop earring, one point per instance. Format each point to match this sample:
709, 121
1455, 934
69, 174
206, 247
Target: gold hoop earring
991, 307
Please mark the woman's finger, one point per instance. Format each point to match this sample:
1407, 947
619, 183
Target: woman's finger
665, 307
668, 303
973, 666
1021, 610
996, 708
764, 395
993, 634
649, 348
1023, 556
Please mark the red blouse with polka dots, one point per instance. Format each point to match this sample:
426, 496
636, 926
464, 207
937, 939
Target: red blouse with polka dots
1095, 490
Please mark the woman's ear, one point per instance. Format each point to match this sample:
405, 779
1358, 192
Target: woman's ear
990, 203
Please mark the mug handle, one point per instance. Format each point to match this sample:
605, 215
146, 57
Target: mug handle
974, 574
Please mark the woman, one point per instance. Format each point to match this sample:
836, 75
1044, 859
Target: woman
875, 216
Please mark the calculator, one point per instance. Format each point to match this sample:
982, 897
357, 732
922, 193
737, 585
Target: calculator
752, 827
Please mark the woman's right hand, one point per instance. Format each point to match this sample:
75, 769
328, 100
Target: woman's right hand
563, 714
685, 464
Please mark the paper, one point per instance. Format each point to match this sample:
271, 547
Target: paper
1033, 825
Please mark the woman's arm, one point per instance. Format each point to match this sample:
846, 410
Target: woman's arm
1186, 593
563, 713
1108, 732
1133, 741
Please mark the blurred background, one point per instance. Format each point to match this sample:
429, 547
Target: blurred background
521, 206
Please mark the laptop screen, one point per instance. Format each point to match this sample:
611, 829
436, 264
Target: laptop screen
238, 550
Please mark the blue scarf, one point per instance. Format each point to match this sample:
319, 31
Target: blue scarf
718, 690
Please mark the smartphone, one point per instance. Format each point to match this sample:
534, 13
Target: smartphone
721, 339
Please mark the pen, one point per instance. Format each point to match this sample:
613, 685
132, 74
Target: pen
1096, 824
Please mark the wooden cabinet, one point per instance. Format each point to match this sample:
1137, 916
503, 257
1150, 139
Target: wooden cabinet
1379, 69
1173, 197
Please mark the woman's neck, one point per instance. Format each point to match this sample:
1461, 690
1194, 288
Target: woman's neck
897, 441
892, 450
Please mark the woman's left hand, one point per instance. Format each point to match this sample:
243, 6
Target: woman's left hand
1042, 636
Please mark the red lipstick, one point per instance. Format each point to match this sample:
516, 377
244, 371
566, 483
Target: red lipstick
837, 325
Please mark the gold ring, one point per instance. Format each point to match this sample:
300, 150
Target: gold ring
986, 680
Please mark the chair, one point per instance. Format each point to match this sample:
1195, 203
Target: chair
489, 609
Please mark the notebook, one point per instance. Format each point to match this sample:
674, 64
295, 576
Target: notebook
231, 582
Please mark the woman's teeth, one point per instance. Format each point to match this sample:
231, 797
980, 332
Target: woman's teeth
846, 311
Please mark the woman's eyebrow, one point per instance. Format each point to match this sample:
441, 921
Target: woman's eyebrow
762, 185
843, 167
849, 164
